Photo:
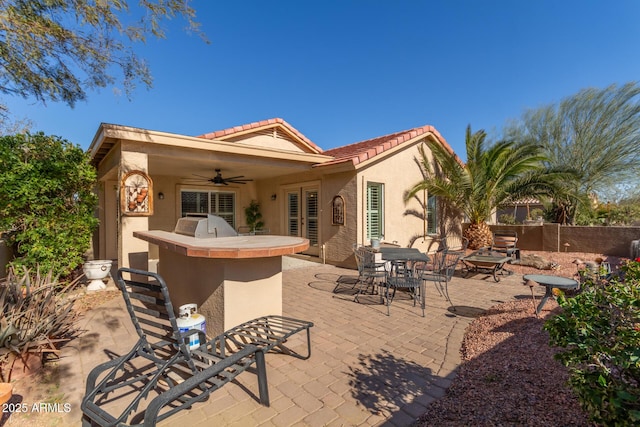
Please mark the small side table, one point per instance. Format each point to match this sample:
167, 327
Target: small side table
550, 282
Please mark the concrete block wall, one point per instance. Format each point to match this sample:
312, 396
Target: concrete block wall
614, 241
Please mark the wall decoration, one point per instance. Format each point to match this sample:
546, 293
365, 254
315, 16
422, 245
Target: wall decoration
136, 194
337, 210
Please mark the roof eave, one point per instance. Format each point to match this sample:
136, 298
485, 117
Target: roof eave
118, 132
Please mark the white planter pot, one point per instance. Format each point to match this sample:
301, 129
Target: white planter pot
96, 271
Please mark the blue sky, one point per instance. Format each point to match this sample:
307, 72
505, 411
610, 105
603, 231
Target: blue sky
345, 71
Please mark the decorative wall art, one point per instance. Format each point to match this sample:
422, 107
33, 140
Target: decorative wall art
337, 210
136, 194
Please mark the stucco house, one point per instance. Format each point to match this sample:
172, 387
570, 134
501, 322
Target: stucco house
335, 197
521, 209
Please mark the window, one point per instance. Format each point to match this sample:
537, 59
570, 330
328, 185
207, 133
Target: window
375, 210
432, 215
215, 202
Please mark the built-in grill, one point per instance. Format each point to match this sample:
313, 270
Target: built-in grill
202, 227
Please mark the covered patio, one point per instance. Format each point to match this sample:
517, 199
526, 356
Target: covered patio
366, 368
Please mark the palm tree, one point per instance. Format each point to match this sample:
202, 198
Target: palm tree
491, 177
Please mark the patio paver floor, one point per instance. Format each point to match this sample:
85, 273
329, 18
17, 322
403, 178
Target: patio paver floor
366, 368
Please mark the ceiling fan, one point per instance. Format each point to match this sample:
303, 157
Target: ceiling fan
220, 180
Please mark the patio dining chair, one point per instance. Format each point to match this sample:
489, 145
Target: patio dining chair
444, 266
505, 241
404, 277
370, 271
456, 244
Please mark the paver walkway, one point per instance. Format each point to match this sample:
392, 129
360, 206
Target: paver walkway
366, 368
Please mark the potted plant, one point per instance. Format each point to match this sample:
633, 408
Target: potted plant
37, 315
253, 217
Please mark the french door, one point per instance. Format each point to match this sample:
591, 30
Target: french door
303, 218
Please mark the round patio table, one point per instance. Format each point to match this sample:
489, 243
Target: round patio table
550, 282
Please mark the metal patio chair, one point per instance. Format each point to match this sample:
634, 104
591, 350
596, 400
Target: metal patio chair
404, 276
456, 244
444, 267
505, 241
369, 271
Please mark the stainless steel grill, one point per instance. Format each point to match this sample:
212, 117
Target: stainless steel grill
202, 227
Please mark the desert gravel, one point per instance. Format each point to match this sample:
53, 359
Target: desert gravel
509, 376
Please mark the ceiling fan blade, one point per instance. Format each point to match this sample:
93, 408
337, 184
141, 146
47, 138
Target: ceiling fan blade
218, 179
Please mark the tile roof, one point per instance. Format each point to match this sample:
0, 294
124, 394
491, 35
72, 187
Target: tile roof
355, 153
526, 201
221, 134
365, 150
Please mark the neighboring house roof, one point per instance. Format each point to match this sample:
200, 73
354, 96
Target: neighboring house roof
362, 151
229, 133
525, 201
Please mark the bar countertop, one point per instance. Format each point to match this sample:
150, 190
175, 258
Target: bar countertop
236, 247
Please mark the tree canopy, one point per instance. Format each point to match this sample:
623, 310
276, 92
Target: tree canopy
594, 132
55, 50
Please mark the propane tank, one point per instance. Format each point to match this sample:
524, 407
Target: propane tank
189, 318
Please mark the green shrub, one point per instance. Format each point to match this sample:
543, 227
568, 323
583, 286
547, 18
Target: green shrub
507, 219
536, 213
599, 331
47, 199
631, 270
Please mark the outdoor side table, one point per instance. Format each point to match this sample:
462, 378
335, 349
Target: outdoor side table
488, 263
550, 282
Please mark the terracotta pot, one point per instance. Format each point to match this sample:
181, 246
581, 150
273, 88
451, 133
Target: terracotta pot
6, 391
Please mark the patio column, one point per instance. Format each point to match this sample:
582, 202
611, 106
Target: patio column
132, 252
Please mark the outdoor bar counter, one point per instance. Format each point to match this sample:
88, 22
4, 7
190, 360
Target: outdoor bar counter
232, 279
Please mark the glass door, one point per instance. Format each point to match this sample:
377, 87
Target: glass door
302, 216
310, 220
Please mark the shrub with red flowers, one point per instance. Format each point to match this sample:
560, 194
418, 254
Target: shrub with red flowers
631, 269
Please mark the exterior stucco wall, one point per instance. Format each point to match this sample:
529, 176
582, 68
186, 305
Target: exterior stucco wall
109, 215
269, 140
133, 252
339, 239
398, 173
106, 247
